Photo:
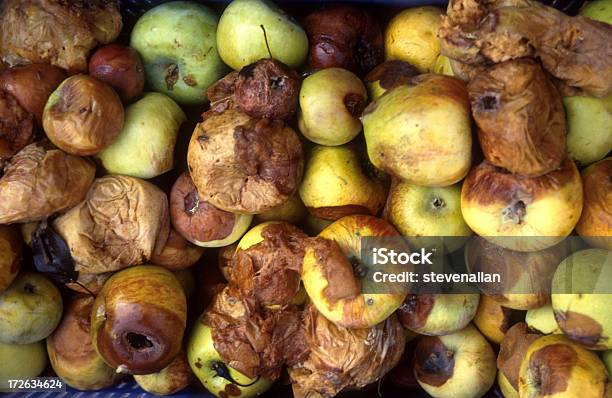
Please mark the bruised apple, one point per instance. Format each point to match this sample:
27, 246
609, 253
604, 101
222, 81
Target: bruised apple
177, 254
521, 213
581, 298
387, 75
595, 224
340, 181
512, 350
437, 314
406, 138
170, 380
520, 117
445, 366
200, 222
138, 320
555, 366
331, 102
25, 192
121, 68
11, 248
71, 352
493, 320
332, 268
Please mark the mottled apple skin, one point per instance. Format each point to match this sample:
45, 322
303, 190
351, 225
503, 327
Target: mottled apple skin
121, 68
138, 319
71, 352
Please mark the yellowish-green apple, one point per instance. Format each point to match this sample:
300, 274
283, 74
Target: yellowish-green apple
145, 146
437, 314
11, 247
30, 309
138, 319
581, 298
607, 358
493, 320
332, 266
388, 75
218, 378
178, 46
599, 10
412, 36
421, 132
443, 66
340, 181
424, 215
250, 30
554, 366
171, 379
521, 213
458, 365
331, 102
22, 361
71, 351
506, 388
542, 320
589, 122
292, 211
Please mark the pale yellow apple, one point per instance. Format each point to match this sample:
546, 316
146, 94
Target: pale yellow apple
542, 320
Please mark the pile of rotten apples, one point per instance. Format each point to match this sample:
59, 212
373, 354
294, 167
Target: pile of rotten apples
475, 122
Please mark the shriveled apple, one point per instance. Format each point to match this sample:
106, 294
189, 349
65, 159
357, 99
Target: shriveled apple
11, 247
512, 350
595, 224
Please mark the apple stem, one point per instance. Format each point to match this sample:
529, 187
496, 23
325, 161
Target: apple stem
222, 371
266, 40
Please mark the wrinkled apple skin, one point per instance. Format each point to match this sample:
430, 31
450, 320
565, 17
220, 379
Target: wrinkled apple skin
30, 309
595, 224
11, 247
177, 43
72, 354
331, 101
241, 40
145, 146
138, 319
202, 355
421, 132
556, 366
22, 361
589, 125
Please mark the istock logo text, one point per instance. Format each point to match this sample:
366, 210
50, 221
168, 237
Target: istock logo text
384, 256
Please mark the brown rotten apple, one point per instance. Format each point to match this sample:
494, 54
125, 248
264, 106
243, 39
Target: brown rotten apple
437, 314
89, 283
121, 68
122, 222
57, 32
387, 75
595, 224
38, 183
138, 320
521, 213
83, 115
244, 165
520, 117
251, 339
32, 85
332, 268
171, 379
16, 126
177, 253
71, 352
11, 247
267, 263
461, 364
525, 276
200, 222
342, 359
339, 181
512, 350
555, 366
344, 36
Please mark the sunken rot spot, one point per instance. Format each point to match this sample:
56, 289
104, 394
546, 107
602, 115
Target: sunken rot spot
354, 103
415, 310
581, 328
551, 367
392, 73
267, 89
434, 362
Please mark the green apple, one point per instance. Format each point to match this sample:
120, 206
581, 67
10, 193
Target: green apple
218, 378
589, 124
250, 30
145, 146
21, 361
426, 215
600, 10
542, 320
30, 309
607, 357
178, 45
331, 102
339, 181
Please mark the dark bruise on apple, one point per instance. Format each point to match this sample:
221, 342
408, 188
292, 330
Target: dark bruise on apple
121, 68
512, 350
138, 320
344, 36
595, 221
388, 75
520, 117
16, 126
